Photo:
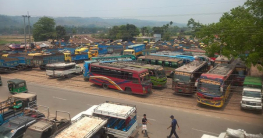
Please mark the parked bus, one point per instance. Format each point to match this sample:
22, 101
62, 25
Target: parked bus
240, 71
121, 77
213, 87
185, 77
223, 60
156, 72
169, 64
62, 69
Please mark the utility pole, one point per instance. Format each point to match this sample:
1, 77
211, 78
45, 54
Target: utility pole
24, 16
29, 29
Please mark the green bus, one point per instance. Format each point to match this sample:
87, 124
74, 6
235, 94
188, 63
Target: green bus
169, 64
17, 86
156, 72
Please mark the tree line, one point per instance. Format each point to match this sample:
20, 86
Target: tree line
239, 33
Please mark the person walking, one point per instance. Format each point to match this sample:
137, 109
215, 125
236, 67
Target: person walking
144, 125
173, 126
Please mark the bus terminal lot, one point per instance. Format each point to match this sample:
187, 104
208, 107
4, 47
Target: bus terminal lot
163, 97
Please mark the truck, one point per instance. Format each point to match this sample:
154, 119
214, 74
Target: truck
93, 52
14, 105
42, 60
108, 119
252, 93
232, 133
46, 127
59, 70
135, 50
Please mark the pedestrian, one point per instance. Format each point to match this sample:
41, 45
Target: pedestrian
144, 125
173, 126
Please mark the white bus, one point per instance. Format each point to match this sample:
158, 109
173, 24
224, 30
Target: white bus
62, 69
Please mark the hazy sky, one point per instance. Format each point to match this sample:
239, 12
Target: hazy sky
180, 11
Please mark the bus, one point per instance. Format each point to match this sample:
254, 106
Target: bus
132, 57
121, 77
213, 87
156, 72
240, 72
169, 64
62, 69
223, 60
185, 77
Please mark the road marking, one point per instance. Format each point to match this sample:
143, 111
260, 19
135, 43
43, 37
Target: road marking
205, 131
59, 98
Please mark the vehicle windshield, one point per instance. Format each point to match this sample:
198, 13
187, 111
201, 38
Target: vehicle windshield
5, 132
160, 73
209, 86
252, 94
182, 76
144, 77
127, 53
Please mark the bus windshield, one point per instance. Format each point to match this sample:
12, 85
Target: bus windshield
144, 77
127, 53
182, 76
160, 73
209, 86
252, 94
5, 132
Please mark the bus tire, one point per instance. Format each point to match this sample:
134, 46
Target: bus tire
128, 90
105, 86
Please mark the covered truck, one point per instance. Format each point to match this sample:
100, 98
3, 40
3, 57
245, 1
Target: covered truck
108, 119
252, 93
135, 50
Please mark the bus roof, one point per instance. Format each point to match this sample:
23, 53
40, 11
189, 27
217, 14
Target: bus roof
191, 67
142, 65
219, 71
60, 64
249, 80
223, 58
115, 66
160, 58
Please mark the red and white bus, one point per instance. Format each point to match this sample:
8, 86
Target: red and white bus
132, 80
213, 87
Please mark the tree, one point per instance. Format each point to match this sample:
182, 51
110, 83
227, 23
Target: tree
240, 31
44, 29
124, 32
60, 31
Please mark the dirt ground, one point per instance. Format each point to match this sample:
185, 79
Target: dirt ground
163, 97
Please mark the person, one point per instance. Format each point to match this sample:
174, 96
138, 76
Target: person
173, 126
144, 125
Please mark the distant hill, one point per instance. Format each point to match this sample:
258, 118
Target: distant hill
17, 21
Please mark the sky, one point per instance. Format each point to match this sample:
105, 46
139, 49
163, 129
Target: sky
180, 11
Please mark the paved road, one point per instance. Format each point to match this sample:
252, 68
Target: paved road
192, 125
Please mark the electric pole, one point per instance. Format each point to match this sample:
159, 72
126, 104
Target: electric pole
29, 29
24, 16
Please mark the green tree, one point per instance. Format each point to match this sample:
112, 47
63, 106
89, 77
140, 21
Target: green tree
44, 29
241, 32
124, 32
60, 31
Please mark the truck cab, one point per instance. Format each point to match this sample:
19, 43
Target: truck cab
251, 99
252, 96
16, 127
45, 127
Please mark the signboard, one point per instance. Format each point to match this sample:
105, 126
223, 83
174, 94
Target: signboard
182, 73
210, 81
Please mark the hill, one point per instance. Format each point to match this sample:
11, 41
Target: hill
17, 21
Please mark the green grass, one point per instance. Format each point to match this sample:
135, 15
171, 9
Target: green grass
3, 42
